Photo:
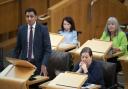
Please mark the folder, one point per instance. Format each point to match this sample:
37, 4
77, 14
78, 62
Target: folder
67, 80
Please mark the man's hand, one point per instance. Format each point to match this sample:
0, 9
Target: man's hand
43, 70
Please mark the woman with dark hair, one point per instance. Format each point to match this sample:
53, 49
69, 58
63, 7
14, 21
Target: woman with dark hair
59, 62
68, 30
90, 67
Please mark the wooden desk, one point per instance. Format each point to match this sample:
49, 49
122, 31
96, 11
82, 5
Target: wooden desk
55, 39
45, 86
67, 80
37, 80
14, 77
65, 47
17, 75
99, 48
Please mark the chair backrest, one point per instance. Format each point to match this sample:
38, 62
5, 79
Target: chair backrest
124, 64
61, 61
127, 39
109, 73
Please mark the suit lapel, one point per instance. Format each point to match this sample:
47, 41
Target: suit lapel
25, 34
24, 40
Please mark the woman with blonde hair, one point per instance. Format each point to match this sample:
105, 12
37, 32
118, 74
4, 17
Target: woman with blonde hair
112, 32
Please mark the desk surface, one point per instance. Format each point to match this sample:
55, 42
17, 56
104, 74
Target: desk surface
96, 46
124, 57
55, 39
66, 80
56, 44
45, 86
20, 73
99, 48
37, 80
65, 47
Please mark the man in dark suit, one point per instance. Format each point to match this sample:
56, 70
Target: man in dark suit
33, 42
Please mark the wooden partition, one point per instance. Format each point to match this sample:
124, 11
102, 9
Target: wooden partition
52, 2
9, 18
90, 17
41, 6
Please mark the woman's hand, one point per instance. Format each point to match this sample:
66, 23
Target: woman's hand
115, 50
83, 66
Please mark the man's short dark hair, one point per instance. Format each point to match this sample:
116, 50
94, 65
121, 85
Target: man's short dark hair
31, 10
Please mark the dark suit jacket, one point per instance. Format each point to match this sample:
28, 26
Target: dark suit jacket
41, 45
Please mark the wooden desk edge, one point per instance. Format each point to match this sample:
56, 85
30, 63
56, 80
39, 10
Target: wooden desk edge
37, 80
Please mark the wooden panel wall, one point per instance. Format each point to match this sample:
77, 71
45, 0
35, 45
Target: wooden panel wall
52, 2
9, 18
39, 5
78, 10
89, 19
12, 13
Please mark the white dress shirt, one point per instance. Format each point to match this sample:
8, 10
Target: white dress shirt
28, 33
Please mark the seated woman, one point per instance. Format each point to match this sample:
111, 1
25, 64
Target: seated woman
68, 30
59, 62
112, 32
90, 67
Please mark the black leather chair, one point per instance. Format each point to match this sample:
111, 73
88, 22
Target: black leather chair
109, 73
59, 61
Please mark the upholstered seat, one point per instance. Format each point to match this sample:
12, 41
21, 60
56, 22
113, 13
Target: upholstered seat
109, 73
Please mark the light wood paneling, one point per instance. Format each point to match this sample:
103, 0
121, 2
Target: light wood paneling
9, 17
89, 19
39, 5
53, 2
9, 14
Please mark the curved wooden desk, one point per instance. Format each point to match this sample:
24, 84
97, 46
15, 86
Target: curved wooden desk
99, 48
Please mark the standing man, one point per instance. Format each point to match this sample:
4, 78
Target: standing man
33, 42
